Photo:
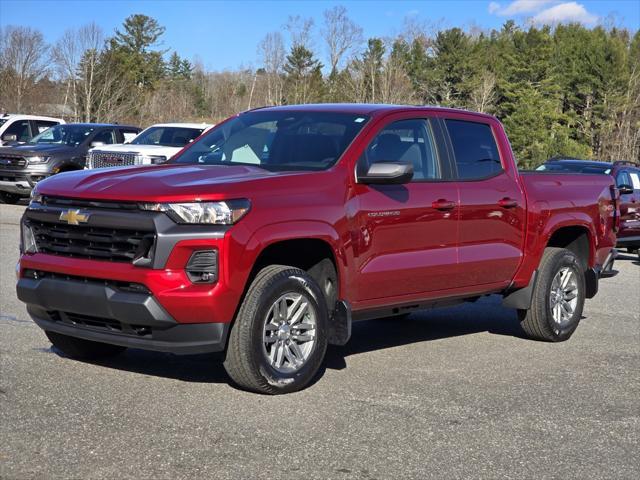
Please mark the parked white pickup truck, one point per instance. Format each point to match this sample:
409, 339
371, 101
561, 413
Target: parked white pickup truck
154, 145
22, 128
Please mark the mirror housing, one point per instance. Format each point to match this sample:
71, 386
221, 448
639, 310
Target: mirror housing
97, 144
387, 173
625, 189
10, 137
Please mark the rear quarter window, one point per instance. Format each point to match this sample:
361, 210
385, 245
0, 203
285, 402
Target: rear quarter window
475, 150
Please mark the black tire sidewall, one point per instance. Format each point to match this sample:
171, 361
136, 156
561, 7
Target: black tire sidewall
305, 285
566, 259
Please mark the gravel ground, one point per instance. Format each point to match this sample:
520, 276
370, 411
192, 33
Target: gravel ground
451, 393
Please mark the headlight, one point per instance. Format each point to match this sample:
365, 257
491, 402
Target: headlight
35, 197
37, 160
152, 159
28, 244
226, 212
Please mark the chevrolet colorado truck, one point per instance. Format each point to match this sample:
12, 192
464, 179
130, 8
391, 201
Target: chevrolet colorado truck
266, 237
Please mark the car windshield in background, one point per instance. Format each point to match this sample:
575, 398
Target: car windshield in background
277, 140
575, 167
70, 135
167, 136
3, 121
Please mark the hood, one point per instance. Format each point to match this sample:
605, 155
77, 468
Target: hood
38, 149
160, 183
143, 149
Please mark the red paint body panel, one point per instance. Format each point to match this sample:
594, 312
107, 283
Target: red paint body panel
414, 253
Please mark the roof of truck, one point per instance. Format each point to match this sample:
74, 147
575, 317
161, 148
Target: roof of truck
364, 108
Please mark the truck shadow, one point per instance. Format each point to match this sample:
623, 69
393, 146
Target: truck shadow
486, 315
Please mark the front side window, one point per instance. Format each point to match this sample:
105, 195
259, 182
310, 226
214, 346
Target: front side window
20, 129
167, 136
405, 141
623, 178
69, 134
475, 149
277, 140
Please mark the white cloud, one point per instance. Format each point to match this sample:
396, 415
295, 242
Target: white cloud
565, 12
545, 11
519, 7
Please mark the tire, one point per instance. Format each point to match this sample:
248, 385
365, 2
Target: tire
81, 349
539, 322
10, 198
255, 341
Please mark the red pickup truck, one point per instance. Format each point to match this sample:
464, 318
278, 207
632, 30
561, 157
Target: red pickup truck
269, 234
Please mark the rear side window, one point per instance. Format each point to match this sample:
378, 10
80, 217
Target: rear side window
475, 149
42, 125
106, 137
129, 134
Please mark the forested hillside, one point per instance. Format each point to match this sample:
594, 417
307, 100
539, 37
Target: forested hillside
563, 90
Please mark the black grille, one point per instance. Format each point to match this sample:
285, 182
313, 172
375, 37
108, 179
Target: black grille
128, 287
99, 323
81, 241
12, 161
78, 203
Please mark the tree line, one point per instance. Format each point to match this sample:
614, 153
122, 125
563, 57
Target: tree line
563, 90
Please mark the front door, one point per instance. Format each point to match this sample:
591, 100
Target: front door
407, 238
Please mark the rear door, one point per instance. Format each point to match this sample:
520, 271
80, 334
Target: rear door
407, 234
629, 203
492, 204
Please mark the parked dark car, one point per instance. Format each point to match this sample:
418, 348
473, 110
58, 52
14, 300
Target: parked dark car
61, 148
627, 176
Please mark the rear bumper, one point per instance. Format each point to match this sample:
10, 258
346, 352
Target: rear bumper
105, 313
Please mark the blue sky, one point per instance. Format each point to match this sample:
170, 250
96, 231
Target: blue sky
224, 35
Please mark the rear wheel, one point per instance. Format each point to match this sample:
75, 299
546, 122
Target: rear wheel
558, 297
279, 337
83, 349
9, 198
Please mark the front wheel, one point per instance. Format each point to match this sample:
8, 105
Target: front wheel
279, 338
558, 297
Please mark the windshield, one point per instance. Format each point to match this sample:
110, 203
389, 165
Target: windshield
3, 121
70, 135
576, 167
167, 136
277, 140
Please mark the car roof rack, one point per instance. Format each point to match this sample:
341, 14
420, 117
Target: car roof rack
627, 163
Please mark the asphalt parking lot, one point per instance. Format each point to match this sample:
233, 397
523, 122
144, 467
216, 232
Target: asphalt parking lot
453, 393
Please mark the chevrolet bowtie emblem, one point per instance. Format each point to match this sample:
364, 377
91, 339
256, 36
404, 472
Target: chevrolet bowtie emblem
74, 217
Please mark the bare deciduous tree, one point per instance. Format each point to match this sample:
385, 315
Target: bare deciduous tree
23, 60
340, 33
483, 96
299, 29
271, 50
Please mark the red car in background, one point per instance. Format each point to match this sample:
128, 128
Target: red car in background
627, 177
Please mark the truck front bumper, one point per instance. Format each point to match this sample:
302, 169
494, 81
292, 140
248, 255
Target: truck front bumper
21, 181
111, 312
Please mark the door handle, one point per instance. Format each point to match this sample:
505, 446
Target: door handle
443, 205
508, 203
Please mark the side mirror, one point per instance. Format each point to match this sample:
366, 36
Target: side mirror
387, 173
97, 144
625, 189
10, 137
